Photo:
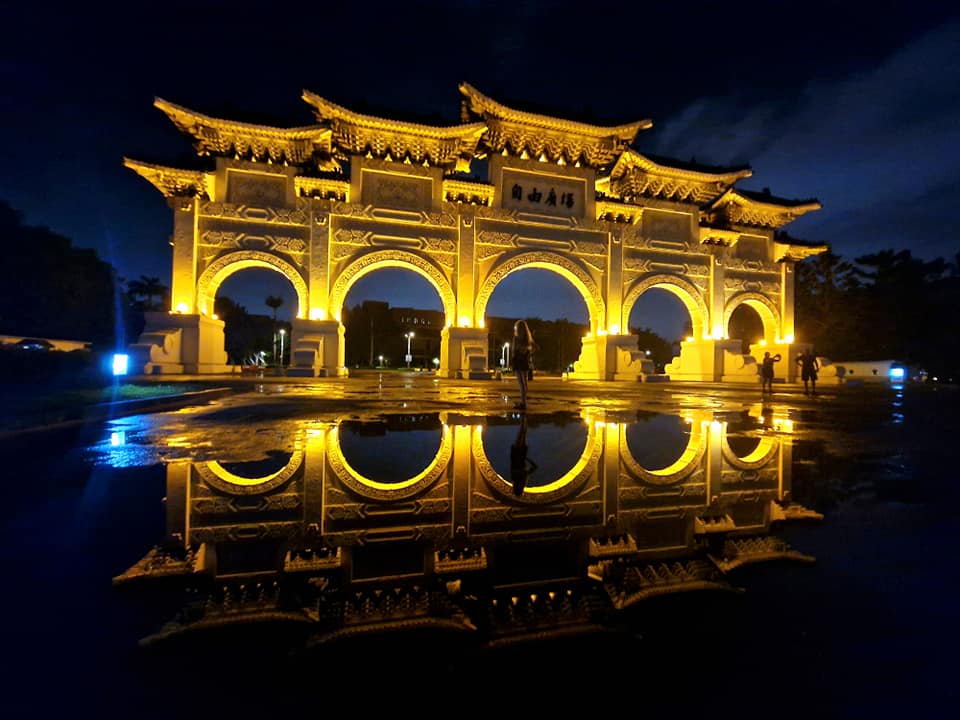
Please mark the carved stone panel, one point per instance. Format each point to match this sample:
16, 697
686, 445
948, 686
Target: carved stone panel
245, 188
396, 191
664, 226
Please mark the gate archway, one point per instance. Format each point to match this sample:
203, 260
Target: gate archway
327, 203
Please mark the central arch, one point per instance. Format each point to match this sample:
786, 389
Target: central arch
559, 264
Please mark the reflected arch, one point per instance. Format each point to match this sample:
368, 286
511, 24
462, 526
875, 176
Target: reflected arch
217, 476
569, 483
764, 307
683, 467
559, 264
223, 267
401, 259
760, 456
374, 490
688, 293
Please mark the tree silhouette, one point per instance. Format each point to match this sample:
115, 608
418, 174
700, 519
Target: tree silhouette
52, 289
143, 291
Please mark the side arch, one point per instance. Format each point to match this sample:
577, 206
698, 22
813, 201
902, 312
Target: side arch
563, 266
381, 259
765, 307
226, 265
688, 293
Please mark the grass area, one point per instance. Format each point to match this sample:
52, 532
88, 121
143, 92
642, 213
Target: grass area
31, 404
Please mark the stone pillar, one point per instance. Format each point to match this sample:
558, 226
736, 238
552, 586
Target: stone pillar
317, 348
615, 285
463, 353
466, 274
318, 272
183, 280
716, 297
787, 300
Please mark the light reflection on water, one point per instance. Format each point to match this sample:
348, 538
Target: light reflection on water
608, 512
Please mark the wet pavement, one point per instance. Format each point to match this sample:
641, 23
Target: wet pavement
398, 539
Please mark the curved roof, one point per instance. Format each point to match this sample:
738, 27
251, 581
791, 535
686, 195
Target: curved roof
355, 133
517, 131
214, 136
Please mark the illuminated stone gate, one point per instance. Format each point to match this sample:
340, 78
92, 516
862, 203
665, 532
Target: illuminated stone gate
326, 204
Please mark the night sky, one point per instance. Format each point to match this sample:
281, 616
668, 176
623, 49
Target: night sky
854, 104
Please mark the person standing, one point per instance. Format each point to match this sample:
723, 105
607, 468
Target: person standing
808, 371
523, 347
766, 371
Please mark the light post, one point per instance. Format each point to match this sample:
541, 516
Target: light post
409, 337
282, 333
381, 360
505, 355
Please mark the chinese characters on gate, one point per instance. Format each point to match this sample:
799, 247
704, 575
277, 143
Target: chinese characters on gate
535, 196
543, 194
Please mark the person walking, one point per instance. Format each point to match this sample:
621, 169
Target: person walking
523, 347
766, 371
808, 371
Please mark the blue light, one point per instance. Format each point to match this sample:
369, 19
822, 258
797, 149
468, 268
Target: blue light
897, 373
120, 364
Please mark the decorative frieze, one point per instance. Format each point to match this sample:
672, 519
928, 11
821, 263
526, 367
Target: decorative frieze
245, 241
260, 214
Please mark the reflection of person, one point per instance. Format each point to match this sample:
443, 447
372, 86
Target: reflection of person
520, 464
808, 371
766, 371
523, 347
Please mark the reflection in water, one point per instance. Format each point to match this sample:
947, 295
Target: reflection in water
521, 464
446, 522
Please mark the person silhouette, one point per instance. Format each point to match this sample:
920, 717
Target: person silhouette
520, 463
766, 371
523, 347
808, 371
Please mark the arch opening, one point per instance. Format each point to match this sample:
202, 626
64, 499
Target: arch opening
254, 304
690, 297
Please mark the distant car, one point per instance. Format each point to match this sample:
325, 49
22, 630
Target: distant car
34, 344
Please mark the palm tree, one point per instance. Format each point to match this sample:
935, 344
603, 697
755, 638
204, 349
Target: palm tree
273, 301
143, 291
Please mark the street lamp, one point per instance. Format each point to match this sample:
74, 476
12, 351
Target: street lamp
505, 354
282, 333
409, 337
381, 360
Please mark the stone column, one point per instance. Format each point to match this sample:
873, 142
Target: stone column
466, 273
318, 273
183, 281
